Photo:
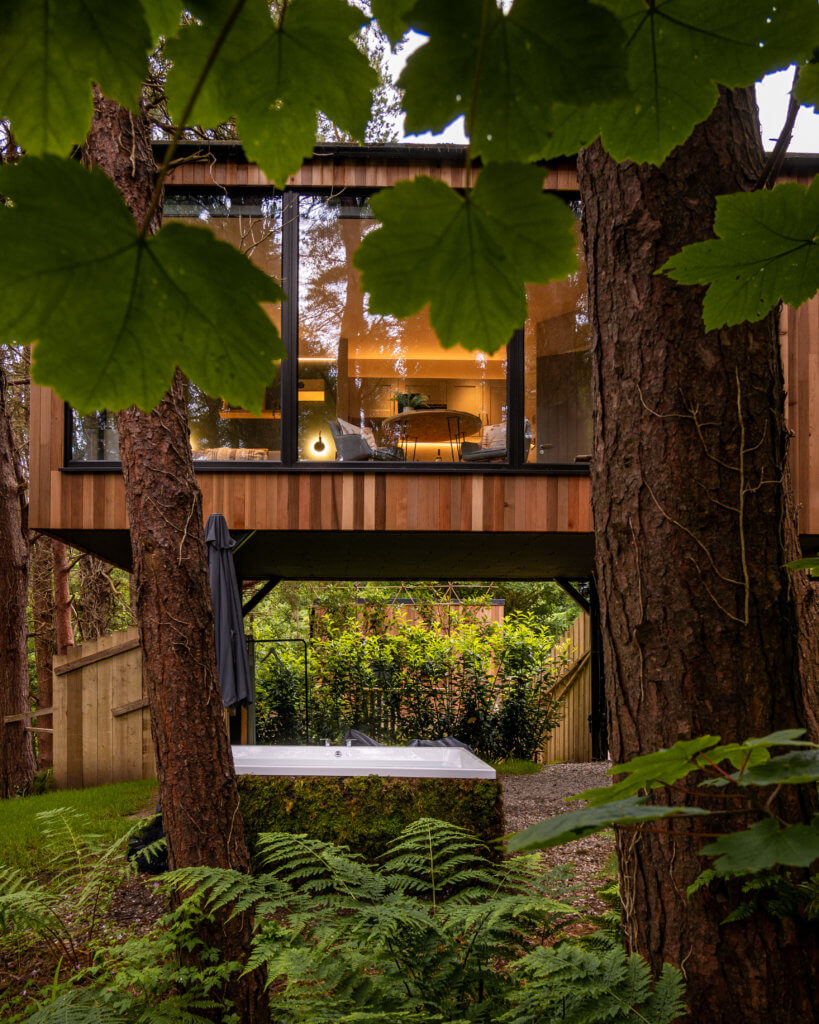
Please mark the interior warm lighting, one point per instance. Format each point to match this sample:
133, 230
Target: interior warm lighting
319, 445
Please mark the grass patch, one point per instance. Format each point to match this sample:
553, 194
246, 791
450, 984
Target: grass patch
106, 807
516, 766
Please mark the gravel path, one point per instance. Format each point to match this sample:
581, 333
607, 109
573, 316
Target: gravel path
529, 798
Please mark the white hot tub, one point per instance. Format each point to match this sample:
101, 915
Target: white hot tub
405, 762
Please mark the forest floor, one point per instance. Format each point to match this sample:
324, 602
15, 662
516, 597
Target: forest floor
138, 903
528, 799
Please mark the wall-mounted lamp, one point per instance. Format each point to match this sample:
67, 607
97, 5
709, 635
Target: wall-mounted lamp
319, 445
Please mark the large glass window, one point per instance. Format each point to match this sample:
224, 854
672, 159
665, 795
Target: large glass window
219, 432
557, 372
373, 388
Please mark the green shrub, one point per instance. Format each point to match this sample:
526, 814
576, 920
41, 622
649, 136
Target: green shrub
367, 812
490, 685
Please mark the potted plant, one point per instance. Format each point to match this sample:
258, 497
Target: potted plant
410, 400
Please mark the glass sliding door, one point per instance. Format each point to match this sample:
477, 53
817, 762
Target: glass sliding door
373, 388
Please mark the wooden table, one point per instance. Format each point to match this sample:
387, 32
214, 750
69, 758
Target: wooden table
443, 425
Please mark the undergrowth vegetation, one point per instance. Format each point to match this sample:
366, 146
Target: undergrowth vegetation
105, 808
437, 931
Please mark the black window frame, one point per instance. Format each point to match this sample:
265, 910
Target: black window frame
515, 390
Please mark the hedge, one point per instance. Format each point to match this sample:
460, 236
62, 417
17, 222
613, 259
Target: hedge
365, 812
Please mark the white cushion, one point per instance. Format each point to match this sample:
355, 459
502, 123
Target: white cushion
493, 436
365, 432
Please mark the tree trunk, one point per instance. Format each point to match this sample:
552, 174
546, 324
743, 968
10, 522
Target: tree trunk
16, 750
703, 629
62, 598
95, 602
197, 783
45, 638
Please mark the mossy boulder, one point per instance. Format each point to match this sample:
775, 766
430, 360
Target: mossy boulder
365, 812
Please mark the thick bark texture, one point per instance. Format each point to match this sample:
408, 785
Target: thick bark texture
62, 598
703, 629
16, 750
197, 783
45, 638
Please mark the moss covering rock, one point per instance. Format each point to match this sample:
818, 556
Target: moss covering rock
365, 812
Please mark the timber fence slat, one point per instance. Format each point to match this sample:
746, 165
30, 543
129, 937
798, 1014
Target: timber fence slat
101, 713
570, 741
100, 655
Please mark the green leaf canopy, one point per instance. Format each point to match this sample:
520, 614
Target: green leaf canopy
52, 53
504, 71
272, 76
563, 828
112, 314
678, 53
763, 846
766, 251
469, 256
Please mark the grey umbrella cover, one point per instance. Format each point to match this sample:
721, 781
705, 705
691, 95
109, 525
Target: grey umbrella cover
231, 651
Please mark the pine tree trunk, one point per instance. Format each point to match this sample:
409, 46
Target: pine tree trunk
62, 598
17, 764
703, 629
45, 638
197, 783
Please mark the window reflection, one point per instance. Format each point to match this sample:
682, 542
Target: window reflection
557, 371
219, 432
374, 388
252, 224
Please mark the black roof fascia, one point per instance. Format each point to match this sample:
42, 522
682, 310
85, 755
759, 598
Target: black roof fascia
795, 163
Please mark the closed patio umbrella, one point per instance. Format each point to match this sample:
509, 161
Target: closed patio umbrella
231, 651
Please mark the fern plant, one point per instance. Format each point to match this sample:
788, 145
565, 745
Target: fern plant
438, 931
568, 983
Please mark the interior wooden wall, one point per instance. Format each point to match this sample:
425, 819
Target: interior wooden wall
571, 741
92, 745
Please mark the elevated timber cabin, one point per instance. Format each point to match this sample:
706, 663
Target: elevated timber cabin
380, 455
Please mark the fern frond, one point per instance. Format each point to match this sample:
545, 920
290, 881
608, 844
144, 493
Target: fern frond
574, 984
78, 1006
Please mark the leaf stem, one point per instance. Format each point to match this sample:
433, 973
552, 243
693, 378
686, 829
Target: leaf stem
180, 128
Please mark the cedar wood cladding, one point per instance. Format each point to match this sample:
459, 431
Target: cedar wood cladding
491, 502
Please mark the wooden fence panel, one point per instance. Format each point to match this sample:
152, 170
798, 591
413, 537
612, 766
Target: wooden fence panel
571, 740
92, 744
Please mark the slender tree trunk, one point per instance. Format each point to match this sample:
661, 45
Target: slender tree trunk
703, 629
95, 603
16, 749
62, 598
45, 638
197, 783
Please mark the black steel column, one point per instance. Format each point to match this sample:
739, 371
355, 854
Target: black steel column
598, 719
514, 399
